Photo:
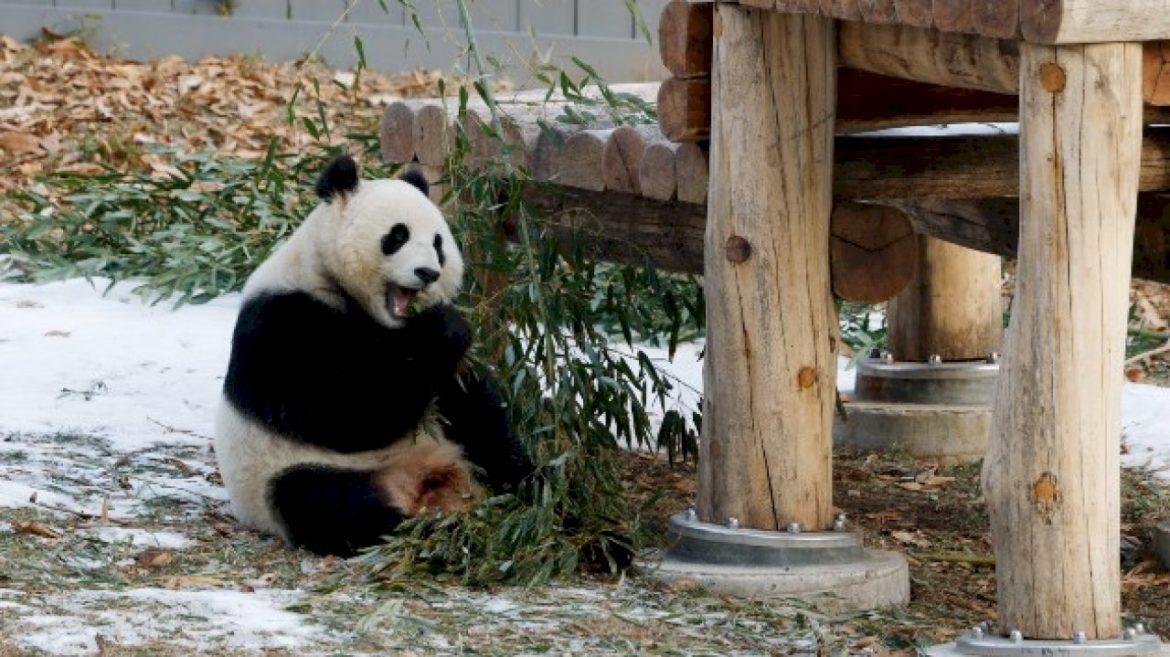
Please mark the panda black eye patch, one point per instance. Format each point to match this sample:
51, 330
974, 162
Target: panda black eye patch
394, 240
439, 250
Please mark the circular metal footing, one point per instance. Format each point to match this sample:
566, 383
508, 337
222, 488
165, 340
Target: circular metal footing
828, 570
962, 383
939, 410
977, 644
1162, 542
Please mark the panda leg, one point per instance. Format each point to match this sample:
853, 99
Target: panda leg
332, 510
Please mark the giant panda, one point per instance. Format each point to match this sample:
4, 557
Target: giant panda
347, 406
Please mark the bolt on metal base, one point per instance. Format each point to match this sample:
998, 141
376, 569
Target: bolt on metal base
1134, 642
692, 540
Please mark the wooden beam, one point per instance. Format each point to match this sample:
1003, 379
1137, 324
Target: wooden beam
928, 55
770, 369
631, 229
992, 225
951, 59
872, 251
684, 38
618, 227
1038, 21
1093, 21
866, 102
1052, 473
942, 168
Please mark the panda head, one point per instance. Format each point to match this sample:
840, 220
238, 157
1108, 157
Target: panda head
384, 242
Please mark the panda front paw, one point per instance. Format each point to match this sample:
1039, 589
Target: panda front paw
443, 326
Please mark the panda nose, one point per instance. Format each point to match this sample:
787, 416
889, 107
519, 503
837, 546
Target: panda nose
426, 275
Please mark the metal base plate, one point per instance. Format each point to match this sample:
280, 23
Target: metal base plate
964, 383
978, 644
690, 540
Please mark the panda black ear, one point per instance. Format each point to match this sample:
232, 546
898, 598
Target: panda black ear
339, 177
416, 178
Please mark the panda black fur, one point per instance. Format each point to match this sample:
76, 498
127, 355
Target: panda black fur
322, 435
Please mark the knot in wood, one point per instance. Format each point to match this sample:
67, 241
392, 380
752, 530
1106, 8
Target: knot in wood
1052, 77
806, 377
738, 249
1046, 496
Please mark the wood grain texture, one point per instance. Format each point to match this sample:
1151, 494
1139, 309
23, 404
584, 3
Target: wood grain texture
684, 38
622, 157
691, 173
433, 134
917, 13
657, 174
397, 135
925, 55
997, 18
952, 306
878, 11
953, 15
842, 9
684, 109
770, 368
992, 225
619, 227
872, 251
1156, 73
1052, 477
1093, 21
868, 101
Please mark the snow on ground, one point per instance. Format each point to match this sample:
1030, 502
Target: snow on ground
238, 620
106, 413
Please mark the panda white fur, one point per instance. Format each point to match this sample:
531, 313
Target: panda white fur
345, 339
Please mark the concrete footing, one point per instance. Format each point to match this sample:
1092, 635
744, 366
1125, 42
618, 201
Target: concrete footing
876, 579
947, 433
932, 410
829, 570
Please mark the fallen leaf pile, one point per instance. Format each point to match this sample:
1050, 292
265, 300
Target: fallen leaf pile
66, 108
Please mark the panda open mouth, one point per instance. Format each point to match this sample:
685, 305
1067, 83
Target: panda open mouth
398, 300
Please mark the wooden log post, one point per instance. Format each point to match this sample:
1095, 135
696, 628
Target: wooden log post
1051, 476
951, 307
770, 370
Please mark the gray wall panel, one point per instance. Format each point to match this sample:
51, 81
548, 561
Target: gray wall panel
437, 13
203, 7
495, 15
325, 11
548, 16
261, 9
163, 6
142, 35
604, 18
369, 11
85, 4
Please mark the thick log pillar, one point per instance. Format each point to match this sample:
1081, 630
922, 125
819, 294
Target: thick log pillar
770, 369
951, 307
1051, 476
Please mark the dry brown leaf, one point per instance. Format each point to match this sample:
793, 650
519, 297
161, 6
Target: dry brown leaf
1149, 315
193, 581
155, 558
911, 538
885, 516
35, 528
18, 142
